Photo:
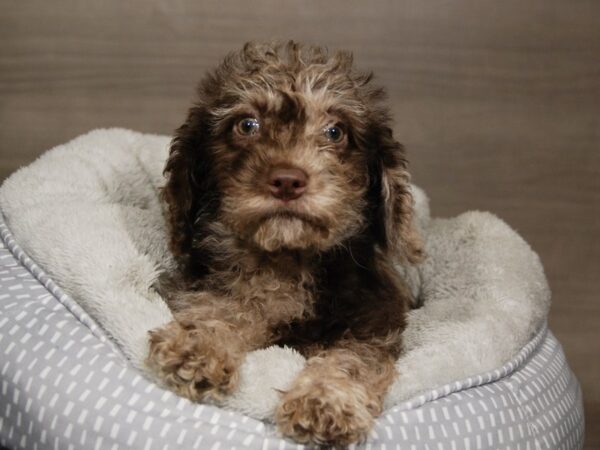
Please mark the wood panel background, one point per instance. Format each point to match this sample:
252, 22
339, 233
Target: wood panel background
497, 102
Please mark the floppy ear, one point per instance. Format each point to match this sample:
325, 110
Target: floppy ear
190, 191
393, 210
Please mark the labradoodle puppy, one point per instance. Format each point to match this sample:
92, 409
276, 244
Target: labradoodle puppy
289, 204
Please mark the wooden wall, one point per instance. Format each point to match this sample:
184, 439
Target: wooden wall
497, 102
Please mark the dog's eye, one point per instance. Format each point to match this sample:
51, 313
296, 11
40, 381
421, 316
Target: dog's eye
248, 126
334, 134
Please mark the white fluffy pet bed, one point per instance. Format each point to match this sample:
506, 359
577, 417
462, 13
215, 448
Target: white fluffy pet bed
88, 213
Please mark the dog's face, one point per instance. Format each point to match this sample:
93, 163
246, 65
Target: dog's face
289, 171
288, 149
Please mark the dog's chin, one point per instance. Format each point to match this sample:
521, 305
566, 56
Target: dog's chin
290, 232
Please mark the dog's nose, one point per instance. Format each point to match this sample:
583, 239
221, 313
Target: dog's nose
287, 184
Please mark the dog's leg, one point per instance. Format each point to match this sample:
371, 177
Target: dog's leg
198, 354
336, 397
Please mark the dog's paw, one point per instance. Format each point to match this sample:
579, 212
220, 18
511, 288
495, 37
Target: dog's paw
330, 412
193, 362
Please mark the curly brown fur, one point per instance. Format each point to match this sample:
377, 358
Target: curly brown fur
336, 397
308, 265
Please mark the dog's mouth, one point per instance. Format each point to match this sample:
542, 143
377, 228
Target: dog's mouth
286, 228
291, 214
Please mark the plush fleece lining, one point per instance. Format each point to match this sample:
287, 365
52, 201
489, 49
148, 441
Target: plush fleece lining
88, 212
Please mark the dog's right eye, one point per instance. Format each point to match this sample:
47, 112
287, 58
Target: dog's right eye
335, 134
248, 126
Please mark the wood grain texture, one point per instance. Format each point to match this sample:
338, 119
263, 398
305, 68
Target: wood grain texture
497, 103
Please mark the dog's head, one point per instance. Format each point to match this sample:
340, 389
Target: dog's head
289, 148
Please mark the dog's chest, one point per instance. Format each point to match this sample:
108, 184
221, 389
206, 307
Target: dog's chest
281, 299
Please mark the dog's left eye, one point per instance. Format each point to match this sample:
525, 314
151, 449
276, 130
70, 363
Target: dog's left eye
334, 134
248, 126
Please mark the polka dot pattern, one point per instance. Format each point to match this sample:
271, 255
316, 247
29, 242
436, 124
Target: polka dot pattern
65, 385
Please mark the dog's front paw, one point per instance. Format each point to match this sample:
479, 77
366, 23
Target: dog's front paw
195, 362
334, 412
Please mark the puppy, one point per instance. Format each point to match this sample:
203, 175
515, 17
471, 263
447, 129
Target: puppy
289, 204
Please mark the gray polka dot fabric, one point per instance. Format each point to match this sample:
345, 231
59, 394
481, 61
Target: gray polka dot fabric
65, 385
